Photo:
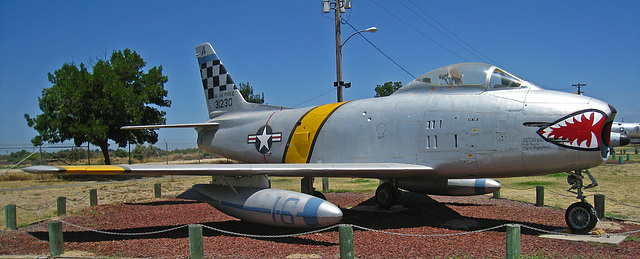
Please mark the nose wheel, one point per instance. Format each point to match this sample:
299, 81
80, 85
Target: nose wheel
580, 216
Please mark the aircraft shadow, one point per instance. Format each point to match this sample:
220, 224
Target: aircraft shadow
422, 210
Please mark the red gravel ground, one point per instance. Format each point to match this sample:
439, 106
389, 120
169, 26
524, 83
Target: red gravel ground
425, 216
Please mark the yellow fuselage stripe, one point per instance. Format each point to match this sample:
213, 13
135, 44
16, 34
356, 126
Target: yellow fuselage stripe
303, 137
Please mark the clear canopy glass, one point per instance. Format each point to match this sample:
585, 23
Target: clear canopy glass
473, 74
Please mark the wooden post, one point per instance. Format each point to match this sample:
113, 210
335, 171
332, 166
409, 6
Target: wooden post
598, 201
496, 194
513, 241
93, 197
61, 205
10, 216
539, 196
157, 190
345, 233
56, 242
196, 246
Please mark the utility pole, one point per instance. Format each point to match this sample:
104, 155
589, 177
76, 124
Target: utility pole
579, 85
339, 6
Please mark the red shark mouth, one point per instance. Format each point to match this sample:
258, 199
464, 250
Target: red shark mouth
580, 130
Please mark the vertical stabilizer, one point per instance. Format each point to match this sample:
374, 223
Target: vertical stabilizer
220, 92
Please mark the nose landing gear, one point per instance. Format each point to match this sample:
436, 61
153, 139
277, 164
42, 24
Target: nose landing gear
580, 216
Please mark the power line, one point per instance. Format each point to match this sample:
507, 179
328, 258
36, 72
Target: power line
385, 54
486, 59
419, 32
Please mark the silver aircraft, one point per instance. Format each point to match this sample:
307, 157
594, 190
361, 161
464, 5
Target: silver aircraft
631, 129
444, 133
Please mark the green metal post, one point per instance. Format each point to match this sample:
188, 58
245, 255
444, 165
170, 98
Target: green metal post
539, 196
325, 184
93, 197
496, 194
61, 205
598, 201
10, 216
613, 155
346, 241
196, 246
620, 160
628, 157
56, 242
513, 241
157, 190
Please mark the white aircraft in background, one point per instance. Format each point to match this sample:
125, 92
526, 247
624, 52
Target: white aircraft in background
444, 133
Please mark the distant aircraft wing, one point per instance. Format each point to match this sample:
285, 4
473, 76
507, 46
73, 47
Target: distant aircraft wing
355, 170
204, 125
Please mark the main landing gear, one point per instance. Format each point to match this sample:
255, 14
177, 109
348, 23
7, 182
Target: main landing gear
386, 195
580, 216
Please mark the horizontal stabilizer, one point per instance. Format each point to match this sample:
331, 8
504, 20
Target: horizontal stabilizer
355, 170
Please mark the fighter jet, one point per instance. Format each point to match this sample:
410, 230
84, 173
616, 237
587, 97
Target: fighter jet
630, 129
444, 133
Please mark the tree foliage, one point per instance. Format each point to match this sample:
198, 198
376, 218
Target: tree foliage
247, 93
92, 106
387, 88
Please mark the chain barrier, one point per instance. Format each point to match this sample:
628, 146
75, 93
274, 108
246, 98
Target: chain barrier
517, 189
433, 235
269, 236
637, 207
335, 226
569, 196
564, 195
123, 234
81, 199
36, 209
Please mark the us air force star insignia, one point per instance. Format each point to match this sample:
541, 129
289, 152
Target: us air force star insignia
264, 138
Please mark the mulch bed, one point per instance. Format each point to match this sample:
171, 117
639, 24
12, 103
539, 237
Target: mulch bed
425, 215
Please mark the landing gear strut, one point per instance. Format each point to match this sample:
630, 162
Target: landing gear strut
580, 216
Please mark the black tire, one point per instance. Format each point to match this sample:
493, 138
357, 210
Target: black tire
581, 218
386, 195
319, 195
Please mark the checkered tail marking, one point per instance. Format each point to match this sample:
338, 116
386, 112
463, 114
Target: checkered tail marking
214, 75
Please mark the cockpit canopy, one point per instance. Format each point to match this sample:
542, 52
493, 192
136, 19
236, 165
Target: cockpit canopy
475, 75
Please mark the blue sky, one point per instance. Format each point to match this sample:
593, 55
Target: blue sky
287, 49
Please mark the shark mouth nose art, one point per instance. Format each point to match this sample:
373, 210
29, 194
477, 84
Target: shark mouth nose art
581, 130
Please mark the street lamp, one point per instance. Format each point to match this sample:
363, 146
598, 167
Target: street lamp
339, 83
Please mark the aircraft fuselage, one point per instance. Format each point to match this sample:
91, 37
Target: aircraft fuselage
462, 133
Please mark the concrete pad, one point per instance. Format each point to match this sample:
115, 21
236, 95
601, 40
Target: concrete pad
587, 238
393, 209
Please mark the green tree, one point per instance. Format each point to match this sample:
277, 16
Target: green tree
247, 93
92, 106
387, 88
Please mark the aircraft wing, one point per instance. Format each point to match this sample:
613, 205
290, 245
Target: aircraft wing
355, 170
212, 125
